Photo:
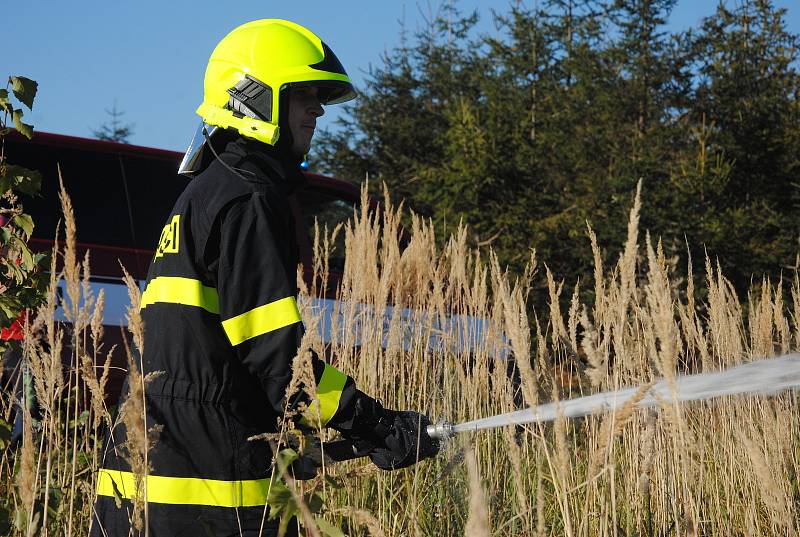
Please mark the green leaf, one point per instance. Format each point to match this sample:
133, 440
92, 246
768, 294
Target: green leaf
5, 234
21, 179
24, 222
16, 271
4, 96
27, 257
280, 499
83, 460
30, 183
285, 459
327, 528
24, 89
8, 314
23, 128
20, 520
5, 434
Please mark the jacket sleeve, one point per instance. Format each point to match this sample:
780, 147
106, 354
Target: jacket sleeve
258, 308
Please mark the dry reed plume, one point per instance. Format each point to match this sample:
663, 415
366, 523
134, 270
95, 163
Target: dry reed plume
447, 331
444, 348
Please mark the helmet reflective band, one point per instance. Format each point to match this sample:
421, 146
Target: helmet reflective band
254, 63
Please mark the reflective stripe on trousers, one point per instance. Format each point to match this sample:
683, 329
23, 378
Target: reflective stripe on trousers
184, 490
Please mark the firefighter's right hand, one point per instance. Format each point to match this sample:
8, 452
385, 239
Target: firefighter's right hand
406, 441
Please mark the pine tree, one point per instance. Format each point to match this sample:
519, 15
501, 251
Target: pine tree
528, 135
396, 126
114, 130
748, 91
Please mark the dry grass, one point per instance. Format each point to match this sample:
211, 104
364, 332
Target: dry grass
478, 518
434, 329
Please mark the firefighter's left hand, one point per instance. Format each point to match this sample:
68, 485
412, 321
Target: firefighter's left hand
406, 443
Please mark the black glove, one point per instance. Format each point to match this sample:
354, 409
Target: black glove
406, 443
391, 439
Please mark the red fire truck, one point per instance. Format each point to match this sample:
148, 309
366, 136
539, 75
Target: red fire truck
122, 195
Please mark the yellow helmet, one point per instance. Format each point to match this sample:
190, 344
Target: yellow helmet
255, 62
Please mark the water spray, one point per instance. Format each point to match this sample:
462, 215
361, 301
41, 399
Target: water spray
763, 377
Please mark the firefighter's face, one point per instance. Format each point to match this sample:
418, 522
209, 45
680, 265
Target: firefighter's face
304, 109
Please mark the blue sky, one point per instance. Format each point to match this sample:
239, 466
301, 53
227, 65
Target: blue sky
150, 56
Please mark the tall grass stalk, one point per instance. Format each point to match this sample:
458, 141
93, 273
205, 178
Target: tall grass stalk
447, 331
676, 469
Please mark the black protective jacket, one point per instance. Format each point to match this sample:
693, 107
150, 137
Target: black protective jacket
222, 324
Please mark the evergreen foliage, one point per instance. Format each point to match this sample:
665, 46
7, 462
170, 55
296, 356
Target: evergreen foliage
528, 136
114, 130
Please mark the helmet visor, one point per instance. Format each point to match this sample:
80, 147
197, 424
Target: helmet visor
193, 159
328, 91
334, 92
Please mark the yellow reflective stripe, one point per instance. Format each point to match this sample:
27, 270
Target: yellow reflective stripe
186, 291
185, 490
261, 320
329, 392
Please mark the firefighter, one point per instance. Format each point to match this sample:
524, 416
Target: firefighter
219, 308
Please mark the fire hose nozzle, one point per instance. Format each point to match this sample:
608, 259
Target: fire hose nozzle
444, 430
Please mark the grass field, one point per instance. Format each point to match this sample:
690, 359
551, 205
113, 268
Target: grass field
723, 467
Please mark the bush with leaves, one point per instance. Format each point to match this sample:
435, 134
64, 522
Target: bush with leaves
22, 282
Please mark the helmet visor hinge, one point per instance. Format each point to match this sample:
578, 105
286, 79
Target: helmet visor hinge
251, 98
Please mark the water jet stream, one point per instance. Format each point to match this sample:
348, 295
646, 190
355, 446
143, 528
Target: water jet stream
762, 377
